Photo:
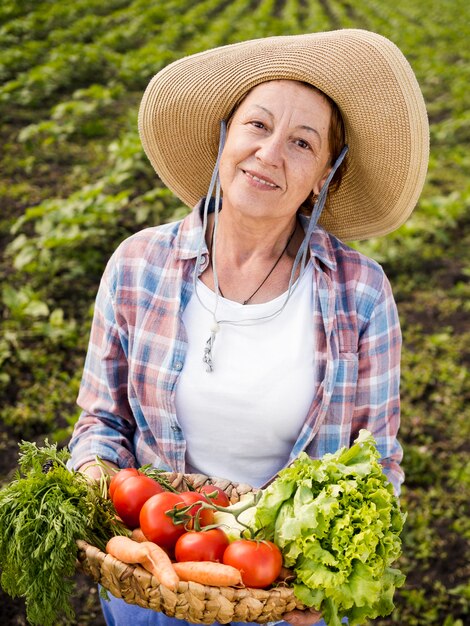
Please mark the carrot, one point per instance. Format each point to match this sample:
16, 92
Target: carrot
138, 535
159, 564
148, 554
208, 573
126, 550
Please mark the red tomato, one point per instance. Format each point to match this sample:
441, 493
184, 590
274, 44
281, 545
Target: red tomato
259, 562
119, 477
206, 545
206, 516
130, 496
156, 525
220, 498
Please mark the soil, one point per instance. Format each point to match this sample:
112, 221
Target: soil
85, 603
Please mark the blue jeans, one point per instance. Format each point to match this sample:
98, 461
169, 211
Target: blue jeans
118, 613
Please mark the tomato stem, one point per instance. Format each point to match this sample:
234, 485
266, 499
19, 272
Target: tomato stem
235, 511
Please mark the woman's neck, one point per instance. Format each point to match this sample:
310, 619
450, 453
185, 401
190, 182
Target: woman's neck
243, 242
253, 265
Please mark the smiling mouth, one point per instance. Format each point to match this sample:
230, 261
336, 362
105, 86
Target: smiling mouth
261, 180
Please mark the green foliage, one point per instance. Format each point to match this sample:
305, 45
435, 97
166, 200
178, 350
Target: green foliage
338, 525
82, 116
75, 182
43, 512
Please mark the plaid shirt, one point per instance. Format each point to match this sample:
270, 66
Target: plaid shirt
138, 345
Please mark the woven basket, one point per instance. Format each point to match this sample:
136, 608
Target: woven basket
192, 602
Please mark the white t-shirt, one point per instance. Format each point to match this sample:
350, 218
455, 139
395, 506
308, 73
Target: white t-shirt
241, 421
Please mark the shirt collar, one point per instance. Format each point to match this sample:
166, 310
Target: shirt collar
321, 244
189, 236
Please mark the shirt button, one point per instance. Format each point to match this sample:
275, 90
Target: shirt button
175, 428
178, 365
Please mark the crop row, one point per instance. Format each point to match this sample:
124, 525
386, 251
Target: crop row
85, 68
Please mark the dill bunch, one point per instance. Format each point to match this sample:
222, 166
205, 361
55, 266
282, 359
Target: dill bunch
43, 511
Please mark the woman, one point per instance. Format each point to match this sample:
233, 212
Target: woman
232, 340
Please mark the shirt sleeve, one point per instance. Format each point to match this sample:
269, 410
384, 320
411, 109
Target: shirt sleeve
377, 406
106, 425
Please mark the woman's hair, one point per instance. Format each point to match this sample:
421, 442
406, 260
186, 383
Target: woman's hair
336, 142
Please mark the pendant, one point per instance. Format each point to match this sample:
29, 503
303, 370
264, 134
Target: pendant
207, 358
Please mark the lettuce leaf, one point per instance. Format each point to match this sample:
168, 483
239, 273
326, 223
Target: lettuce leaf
338, 524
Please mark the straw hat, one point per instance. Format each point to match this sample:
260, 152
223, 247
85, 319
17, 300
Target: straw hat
364, 73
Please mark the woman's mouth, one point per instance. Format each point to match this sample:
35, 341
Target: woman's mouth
261, 180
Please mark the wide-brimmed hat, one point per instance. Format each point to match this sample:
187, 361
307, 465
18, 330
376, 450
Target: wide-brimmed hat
364, 73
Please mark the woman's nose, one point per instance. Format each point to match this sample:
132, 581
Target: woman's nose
270, 150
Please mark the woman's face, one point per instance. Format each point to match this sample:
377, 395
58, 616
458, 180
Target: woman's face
276, 150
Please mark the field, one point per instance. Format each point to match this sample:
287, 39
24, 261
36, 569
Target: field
75, 182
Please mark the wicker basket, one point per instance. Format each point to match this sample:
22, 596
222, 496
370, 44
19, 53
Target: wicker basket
192, 602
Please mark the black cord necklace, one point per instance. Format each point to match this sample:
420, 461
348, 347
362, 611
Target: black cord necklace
268, 274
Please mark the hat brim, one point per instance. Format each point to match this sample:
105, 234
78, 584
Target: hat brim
366, 75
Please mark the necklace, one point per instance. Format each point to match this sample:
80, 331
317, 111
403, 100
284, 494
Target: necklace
267, 275
216, 323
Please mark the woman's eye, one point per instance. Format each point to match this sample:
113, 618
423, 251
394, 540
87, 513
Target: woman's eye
302, 144
257, 124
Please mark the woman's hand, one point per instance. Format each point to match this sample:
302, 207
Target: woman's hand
94, 471
302, 618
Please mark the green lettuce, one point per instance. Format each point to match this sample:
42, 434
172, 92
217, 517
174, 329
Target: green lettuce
338, 524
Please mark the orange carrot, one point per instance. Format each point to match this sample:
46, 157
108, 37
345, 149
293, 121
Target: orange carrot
138, 535
126, 550
208, 573
148, 554
159, 564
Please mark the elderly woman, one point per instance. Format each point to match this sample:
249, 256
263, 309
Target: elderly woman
230, 341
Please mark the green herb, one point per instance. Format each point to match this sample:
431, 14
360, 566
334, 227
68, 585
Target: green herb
43, 511
337, 523
159, 476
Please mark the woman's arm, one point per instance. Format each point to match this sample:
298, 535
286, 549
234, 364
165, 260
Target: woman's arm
106, 426
377, 404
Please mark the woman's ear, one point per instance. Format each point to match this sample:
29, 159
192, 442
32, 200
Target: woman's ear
319, 184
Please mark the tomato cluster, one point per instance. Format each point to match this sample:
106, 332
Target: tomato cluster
179, 523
